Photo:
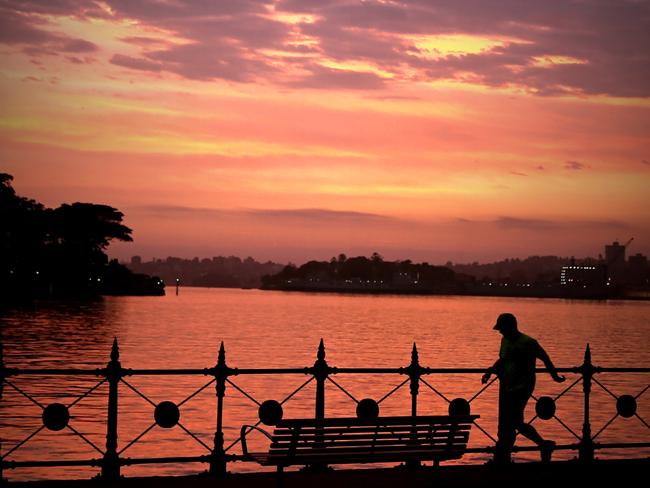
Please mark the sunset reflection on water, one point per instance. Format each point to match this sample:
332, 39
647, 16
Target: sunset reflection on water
282, 330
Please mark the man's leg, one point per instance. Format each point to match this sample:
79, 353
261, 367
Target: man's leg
506, 432
527, 430
531, 433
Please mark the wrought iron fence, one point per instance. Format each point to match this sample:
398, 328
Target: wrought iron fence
166, 414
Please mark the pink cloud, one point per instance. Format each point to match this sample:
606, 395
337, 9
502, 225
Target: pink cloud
322, 77
22, 29
77, 46
136, 63
574, 165
78, 60
143, 41
609, 37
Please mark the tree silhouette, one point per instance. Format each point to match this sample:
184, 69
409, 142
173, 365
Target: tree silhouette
23, 230
90, 224
55, 252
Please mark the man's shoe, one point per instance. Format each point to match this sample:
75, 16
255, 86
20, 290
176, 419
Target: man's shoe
546, 450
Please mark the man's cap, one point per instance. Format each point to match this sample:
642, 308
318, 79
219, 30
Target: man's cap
505, 321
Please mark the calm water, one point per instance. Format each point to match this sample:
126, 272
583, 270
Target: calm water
275, 329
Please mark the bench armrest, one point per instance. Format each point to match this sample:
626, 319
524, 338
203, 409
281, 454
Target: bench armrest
247, 429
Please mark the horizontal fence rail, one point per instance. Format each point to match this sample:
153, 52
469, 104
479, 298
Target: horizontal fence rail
56, 416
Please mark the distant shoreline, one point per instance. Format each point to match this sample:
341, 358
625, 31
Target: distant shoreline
492, 291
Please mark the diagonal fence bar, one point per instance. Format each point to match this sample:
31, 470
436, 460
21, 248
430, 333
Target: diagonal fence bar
346, 392
390, 393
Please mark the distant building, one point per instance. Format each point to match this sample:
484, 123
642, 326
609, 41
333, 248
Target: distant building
638, 272
638, 261
615, 254
583, 276
615, 261
136, 260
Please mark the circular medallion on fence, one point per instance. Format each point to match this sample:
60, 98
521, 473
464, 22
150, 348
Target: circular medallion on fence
367, 409
56, 416
545, 407
166, 414
626, 406
459, 406
270, 412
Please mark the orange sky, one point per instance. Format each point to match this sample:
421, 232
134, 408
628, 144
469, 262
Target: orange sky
291, 130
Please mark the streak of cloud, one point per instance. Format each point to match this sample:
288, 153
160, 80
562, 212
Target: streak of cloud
574, 165
303, 214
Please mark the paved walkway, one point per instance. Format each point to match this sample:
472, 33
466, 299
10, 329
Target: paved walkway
553, 475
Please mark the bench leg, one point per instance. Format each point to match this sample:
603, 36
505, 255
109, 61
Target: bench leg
435, 472
279, 477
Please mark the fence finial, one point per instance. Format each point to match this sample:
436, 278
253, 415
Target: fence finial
321, 350
115, 351
221, 359
414, 355
587, 354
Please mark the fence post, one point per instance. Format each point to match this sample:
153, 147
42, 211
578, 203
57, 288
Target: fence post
2, 366
2, 383
320, 373
218, 461
111, 461
414, 372
586, 451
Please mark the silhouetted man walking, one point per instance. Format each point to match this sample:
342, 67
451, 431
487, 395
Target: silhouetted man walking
516, 371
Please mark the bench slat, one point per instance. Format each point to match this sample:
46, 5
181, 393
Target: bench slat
403, 441
369, 433
423, 419
369, 445
377, 449
352, 430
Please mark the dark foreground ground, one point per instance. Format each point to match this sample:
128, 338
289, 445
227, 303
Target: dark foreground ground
553, 475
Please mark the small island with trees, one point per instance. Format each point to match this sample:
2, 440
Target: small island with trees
61, 252
365, 275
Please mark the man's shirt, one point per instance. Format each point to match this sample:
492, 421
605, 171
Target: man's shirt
518, 356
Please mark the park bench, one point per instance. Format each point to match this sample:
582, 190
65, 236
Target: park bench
355, 441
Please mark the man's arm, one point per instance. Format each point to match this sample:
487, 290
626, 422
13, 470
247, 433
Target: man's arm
495, 368
541, 354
